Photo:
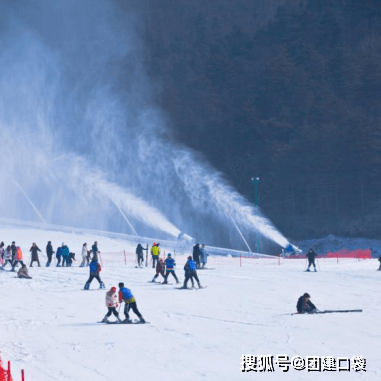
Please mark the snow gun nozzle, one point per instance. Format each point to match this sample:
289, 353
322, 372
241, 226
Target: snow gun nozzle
292, 249
185, 237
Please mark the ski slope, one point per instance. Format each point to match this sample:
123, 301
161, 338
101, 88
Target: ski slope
49, 326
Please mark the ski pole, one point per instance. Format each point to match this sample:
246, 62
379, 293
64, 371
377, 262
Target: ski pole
318, 264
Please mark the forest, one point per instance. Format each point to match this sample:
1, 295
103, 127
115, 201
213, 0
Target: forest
287, 91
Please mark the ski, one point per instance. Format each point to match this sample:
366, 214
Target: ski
337, 311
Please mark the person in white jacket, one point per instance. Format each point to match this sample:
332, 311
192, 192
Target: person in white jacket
7, 256
111, 304
85, 259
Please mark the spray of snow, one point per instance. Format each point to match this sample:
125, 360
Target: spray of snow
79, 137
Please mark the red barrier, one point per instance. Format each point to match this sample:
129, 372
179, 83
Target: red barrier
5, 375
358, 254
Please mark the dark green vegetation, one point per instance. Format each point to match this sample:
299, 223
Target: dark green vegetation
289, 91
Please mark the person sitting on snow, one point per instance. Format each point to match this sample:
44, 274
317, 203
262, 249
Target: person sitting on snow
111, 304
305, 306
23, 273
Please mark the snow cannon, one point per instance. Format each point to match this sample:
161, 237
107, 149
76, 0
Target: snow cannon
291, 249
185, 237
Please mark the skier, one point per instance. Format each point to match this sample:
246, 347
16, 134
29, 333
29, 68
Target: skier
125, 295
14, 249
23, 273
379, 260
204, 255
18, 258
305, 306
111, 304
7, 256
58, 256
95, 250
65, 255
190, 273
34, 250
49, 253
160, 267
139, 253
155, 252
95, 269
84, 256
196, 254
311, 259
170, 268
2, 253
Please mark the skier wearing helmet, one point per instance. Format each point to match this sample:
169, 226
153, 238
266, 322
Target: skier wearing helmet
111, 304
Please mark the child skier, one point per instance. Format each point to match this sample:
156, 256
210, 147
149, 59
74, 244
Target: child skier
34, 250
170, 269
125, 295
58, 256
95, 269
305, 306
111, 304
159, 270
311, 259
190, 273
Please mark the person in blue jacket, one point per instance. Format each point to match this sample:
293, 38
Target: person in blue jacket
190, 273
58, 256
95, 269
170, 268
125, 295
65, 255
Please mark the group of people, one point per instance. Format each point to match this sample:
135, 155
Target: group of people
167, 267
200, 255
12, 255
112, 302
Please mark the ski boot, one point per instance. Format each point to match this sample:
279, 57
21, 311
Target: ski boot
184, 287
315, 271
87, 286
118, 319
308, 270
102, 285
142, 320
105, 320
165, 282
199, 285
127, 321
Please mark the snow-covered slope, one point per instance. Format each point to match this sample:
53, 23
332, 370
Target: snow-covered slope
49, 326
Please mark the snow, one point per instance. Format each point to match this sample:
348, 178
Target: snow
49, 324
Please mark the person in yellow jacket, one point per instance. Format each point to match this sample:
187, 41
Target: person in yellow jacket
155, 252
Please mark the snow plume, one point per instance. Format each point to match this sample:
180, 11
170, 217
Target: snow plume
80, 138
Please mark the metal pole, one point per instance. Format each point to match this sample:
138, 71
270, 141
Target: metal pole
256, 201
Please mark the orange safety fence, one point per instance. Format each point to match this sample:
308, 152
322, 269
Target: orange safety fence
5, 374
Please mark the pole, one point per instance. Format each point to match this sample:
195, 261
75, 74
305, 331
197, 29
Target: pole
147, 256
239, 231
256, 201
9, 371
22, 375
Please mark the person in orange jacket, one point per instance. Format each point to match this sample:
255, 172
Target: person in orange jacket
18, 258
